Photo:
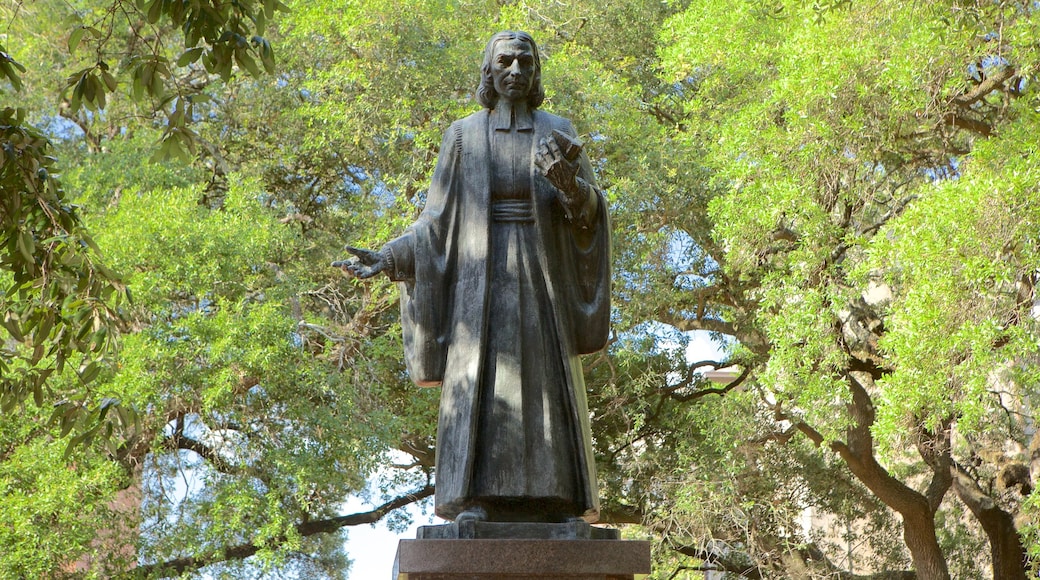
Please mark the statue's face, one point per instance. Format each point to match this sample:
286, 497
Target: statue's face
512, 68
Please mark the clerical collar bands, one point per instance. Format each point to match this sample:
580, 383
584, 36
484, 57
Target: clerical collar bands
503, 113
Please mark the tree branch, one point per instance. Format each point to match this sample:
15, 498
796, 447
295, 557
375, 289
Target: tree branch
180, 441
967, 124
700, 393
179, 566
670, 317
691, 375
722, 561
895, 211
621, 514
934, 448
423, 452
731, 562
990, 84
370, 517
914, 507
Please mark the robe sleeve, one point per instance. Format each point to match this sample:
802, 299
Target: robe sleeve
588, 245
419, 259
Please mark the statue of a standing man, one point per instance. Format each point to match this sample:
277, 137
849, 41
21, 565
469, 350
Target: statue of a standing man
505, 281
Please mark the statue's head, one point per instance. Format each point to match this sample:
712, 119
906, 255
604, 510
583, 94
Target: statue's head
512, 69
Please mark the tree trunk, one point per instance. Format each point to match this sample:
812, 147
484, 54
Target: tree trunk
919, 535
918, 517
916, 509
1005, 545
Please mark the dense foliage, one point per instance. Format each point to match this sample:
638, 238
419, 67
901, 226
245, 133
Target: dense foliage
841, 196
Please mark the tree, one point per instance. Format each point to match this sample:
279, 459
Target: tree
211, 351
872, 234
849, 219
61, 303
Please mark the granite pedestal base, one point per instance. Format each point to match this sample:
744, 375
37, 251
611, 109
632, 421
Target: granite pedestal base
479, 530
497, 551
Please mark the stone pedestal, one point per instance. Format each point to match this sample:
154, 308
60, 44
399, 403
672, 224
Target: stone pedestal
472, 529
522, 560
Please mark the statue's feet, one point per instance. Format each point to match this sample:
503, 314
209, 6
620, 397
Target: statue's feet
473, 514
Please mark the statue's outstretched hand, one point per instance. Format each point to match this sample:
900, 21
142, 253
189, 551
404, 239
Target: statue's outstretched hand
560, 172
364, 264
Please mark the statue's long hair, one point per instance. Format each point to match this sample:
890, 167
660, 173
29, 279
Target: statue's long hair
486, 93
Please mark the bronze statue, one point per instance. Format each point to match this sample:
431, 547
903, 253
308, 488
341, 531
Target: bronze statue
505, 281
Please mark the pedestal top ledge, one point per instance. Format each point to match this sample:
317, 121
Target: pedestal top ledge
517, 559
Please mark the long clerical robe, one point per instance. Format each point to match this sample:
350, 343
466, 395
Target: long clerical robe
514, 440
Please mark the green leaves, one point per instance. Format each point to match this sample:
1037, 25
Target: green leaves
819, 113
148, 76
90, 88
59, 301
222, 38
870, 217
78, 33
10, 69
53, 511
189, 56
779, 185
957, 261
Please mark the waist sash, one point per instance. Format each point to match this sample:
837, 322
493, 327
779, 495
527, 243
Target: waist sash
512, 210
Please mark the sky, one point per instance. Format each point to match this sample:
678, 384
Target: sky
372, 547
